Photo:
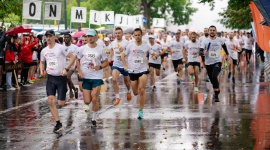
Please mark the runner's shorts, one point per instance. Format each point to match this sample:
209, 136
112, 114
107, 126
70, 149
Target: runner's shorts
59, 84
164, 55
80, 79
234, 61
177, 62
121, 70
89, 84
136, 76
194, 64
156, 66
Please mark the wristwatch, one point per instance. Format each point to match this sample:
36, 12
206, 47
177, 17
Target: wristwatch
100, 67
67, 69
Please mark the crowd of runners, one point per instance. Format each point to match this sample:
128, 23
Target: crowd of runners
137, 56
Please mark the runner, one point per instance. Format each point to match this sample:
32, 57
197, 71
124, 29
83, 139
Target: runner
241, 52
211, 48
154, 60
136, 65
248, 41
192, 48
232, 46
107, 48
201, 39
176, 49
84, 42
164, 57
55, 56
71, 48
91, 60
118, 46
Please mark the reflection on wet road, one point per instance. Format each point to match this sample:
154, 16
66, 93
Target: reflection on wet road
174, 117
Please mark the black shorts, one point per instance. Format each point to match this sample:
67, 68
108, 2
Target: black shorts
240, 52
234, 61
59, 84
177, 62
34, 63
164, 55
27, 65
2, 61
194, 64
136, 76
156, 66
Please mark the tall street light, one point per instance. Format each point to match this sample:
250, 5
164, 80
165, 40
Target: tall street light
65, 13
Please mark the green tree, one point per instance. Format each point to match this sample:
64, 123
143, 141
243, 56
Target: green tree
8, 7
178, 11
236, 16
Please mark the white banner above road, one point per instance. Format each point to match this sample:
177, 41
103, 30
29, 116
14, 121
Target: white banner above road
32, 10
158, 22
94, 17
121, 20
52, 11
107, 17
78, 14
137, 20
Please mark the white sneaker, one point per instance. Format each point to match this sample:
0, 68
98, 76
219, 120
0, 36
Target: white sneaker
11, 89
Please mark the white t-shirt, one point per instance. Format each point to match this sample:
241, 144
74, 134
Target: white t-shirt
100, 43
89, 58
248, 43
107, 49
136, 57
72, 49
145, 38
34, 56
177, 50
240, 40
213, 55
165, 46
202, 38
55, 59
117, 54
231, 46
193, 51
156, 48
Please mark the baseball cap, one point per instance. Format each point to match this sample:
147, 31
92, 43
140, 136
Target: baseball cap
49, 32
151, 36
106, 39
91, 32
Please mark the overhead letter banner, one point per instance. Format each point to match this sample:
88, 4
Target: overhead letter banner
158, 22
52, 11
94, 17
32, 10
107, 17
78, 14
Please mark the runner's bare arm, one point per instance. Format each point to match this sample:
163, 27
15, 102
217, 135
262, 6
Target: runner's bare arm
111, 54
123, 58
72, 60
104, 64
41, 68
81, 75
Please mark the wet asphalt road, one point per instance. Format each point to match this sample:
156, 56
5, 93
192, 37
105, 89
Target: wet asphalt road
174, 116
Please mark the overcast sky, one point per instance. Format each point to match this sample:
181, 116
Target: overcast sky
204, 17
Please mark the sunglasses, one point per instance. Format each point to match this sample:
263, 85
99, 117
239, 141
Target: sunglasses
90, 36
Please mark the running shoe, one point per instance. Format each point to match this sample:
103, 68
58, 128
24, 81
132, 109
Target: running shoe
11, 89
233, 80
87, 109
229, 75
216, 98
196, 89
140, 115
129, 96
31, 82
76, 93
154, 88
94, 123
178, 81
117, 101
58, 127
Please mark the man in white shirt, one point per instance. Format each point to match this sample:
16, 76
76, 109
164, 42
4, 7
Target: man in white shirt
55, 56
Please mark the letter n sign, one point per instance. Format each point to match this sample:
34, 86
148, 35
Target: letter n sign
78, 14
52, 11
32, 10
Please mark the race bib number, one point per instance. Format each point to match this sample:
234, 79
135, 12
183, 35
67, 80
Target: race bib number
117, 55
137, 60
213, 54
194, 55
52, 64
91, 59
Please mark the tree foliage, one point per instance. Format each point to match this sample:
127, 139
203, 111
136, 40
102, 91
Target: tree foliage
10, 8
236, 16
